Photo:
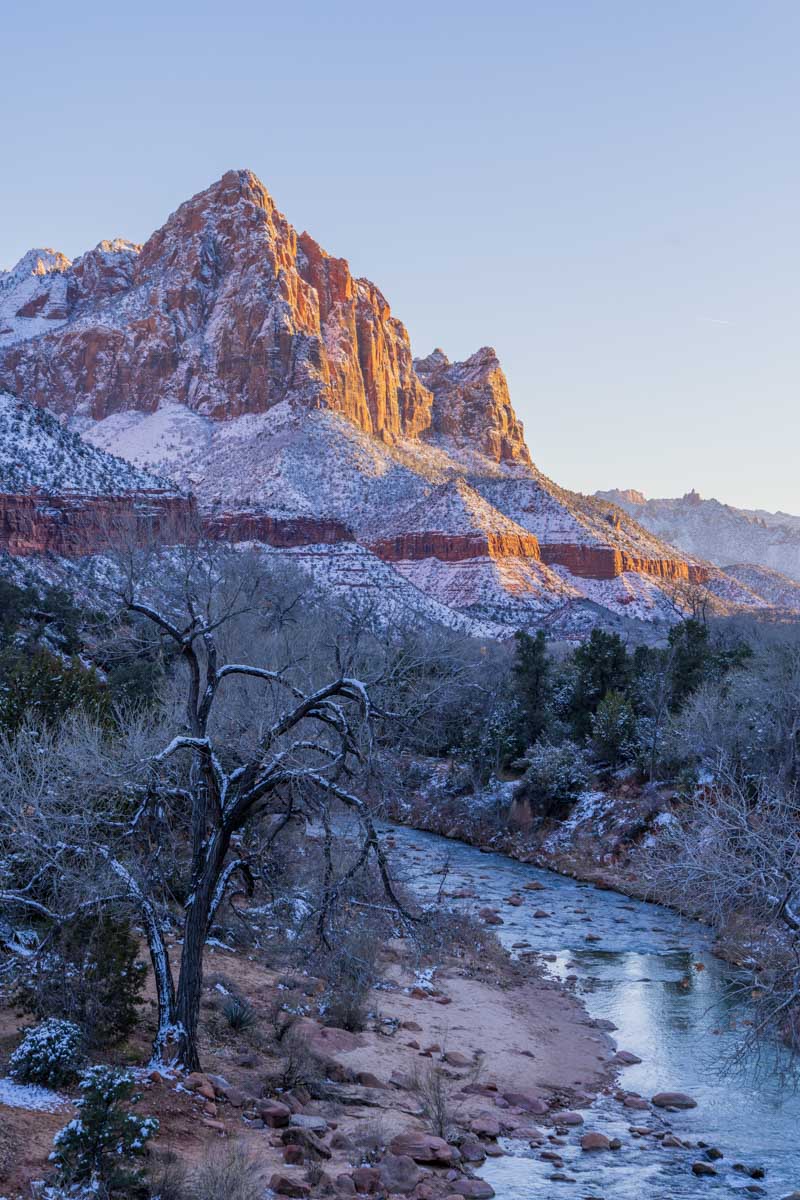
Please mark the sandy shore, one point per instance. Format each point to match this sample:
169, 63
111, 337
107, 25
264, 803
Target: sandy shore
512, 1049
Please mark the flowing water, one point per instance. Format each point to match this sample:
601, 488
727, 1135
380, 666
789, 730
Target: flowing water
674, 1004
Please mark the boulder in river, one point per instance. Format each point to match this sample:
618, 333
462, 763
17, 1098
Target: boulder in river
673, 1100
595, 1141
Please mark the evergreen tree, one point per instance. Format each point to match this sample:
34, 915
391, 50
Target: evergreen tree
613, 729
691, 658
601, 666
533, 685
100, 1148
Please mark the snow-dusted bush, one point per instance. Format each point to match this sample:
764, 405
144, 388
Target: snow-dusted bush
555, 777
50, 1054
102, 1146
613, 729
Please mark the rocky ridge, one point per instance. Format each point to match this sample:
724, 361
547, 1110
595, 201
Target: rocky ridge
718, 532
237, 358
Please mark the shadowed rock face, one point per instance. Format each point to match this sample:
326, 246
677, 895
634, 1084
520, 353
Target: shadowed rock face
75, 525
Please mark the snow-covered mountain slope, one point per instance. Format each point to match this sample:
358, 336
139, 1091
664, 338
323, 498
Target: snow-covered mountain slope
37, 451
779, 591
718, 532
61, 495
236, 357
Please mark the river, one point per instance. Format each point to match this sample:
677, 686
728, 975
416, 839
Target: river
651, 972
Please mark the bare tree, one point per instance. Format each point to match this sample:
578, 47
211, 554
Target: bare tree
734, 860
84, 804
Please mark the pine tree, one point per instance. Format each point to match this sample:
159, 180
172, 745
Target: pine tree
100, 1148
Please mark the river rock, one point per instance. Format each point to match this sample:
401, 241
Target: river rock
472, 1151
285, 1185
422, 1147
527, 1101
626, 1058
703, 1168
673, 1100
638, 1103
568, 1118
473, 1189
399, 1173
485, 1125
595, 1141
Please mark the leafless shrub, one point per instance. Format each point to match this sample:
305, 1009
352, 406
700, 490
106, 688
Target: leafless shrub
298, 1065
168, 1177
434, 1091
228, 1172
369, 1139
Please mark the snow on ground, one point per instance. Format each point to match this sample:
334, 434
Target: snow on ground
31, 1097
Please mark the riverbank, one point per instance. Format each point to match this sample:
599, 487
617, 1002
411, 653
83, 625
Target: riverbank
471, 1045
649, 975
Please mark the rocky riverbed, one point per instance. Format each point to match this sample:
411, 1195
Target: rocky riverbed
676, 1011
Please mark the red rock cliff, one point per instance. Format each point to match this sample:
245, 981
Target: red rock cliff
227, 310
409, 547
606, 562
74, 525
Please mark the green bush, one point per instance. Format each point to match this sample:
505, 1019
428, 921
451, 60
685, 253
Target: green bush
91, 974
50, 1054
239, 1013
614, 730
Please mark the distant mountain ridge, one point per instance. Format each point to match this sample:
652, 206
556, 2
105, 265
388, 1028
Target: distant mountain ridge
720, 533
235, 357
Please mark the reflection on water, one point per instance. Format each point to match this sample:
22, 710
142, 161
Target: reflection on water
674, 1004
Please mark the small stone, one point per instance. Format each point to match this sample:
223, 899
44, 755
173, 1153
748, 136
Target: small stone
456, 1059
703, 1168
568, 1118
286, 1186
314, 1124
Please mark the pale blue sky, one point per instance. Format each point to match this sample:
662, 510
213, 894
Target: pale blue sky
606, 191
